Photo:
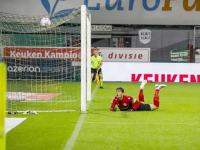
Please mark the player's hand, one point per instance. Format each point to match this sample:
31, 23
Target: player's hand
114, 109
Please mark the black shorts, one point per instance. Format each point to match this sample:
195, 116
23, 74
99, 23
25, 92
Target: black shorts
144, 107
95, 71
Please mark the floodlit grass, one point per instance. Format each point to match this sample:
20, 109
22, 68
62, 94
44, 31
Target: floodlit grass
70, 96
175, 125
44, 131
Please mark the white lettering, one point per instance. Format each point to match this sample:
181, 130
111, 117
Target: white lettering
23, 69
39, 55
33, 55
53, 55
74, 55
14, 68
47, 54
18, 54
59, 55
12, 54
28, 54
66, 55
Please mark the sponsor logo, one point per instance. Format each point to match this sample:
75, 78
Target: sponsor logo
165, 77
145, 36
42, 53
57, 69
125, 104
23, 69
119, 5
179, 54
125, 54
46, 54
46, 4
101, 28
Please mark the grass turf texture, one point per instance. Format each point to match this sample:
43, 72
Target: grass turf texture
70, 96
175, 125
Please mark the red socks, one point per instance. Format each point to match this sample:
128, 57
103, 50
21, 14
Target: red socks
156, 98
141, 96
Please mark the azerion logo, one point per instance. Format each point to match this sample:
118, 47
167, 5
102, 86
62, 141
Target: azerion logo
23, 69
58, 69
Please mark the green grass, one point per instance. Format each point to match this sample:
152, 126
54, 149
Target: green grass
175, 125
42, 131
70, 91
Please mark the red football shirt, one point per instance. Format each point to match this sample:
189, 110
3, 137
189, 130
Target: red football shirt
125, 104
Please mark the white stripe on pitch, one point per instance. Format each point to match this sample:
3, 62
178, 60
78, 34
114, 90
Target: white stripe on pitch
70, 143
46, 101
172, 123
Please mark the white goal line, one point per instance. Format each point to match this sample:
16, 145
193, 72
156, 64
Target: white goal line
49, 111
46, 101
193, 123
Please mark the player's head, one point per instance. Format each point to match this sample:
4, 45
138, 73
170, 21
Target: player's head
95, 51
119, 93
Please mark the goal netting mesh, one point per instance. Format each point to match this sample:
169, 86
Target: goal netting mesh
43, 62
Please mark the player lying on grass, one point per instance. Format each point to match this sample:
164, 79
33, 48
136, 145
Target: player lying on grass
128, 103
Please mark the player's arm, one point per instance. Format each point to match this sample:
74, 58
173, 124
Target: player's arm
112, 108
135, 104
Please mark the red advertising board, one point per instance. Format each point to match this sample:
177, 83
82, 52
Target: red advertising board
42, 53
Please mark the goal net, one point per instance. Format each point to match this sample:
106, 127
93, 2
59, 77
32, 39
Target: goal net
46, 63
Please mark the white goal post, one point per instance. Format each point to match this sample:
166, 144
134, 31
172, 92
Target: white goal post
85, 57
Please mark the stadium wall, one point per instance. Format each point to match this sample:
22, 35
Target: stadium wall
161, 43
151, 12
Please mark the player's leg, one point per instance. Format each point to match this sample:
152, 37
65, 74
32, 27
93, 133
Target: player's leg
142, 106
156, 102
101, 78
155, 105
141, 95
93, 71
92, 75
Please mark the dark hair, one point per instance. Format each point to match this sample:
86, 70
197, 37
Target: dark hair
95, 48
121, 89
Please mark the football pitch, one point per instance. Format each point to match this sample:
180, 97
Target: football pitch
175, 125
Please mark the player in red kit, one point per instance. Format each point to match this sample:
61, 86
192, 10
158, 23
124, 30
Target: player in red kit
128, 103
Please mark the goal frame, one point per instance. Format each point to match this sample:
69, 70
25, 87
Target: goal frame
85, 57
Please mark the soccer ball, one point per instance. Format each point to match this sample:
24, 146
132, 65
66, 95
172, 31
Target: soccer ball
45, 22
